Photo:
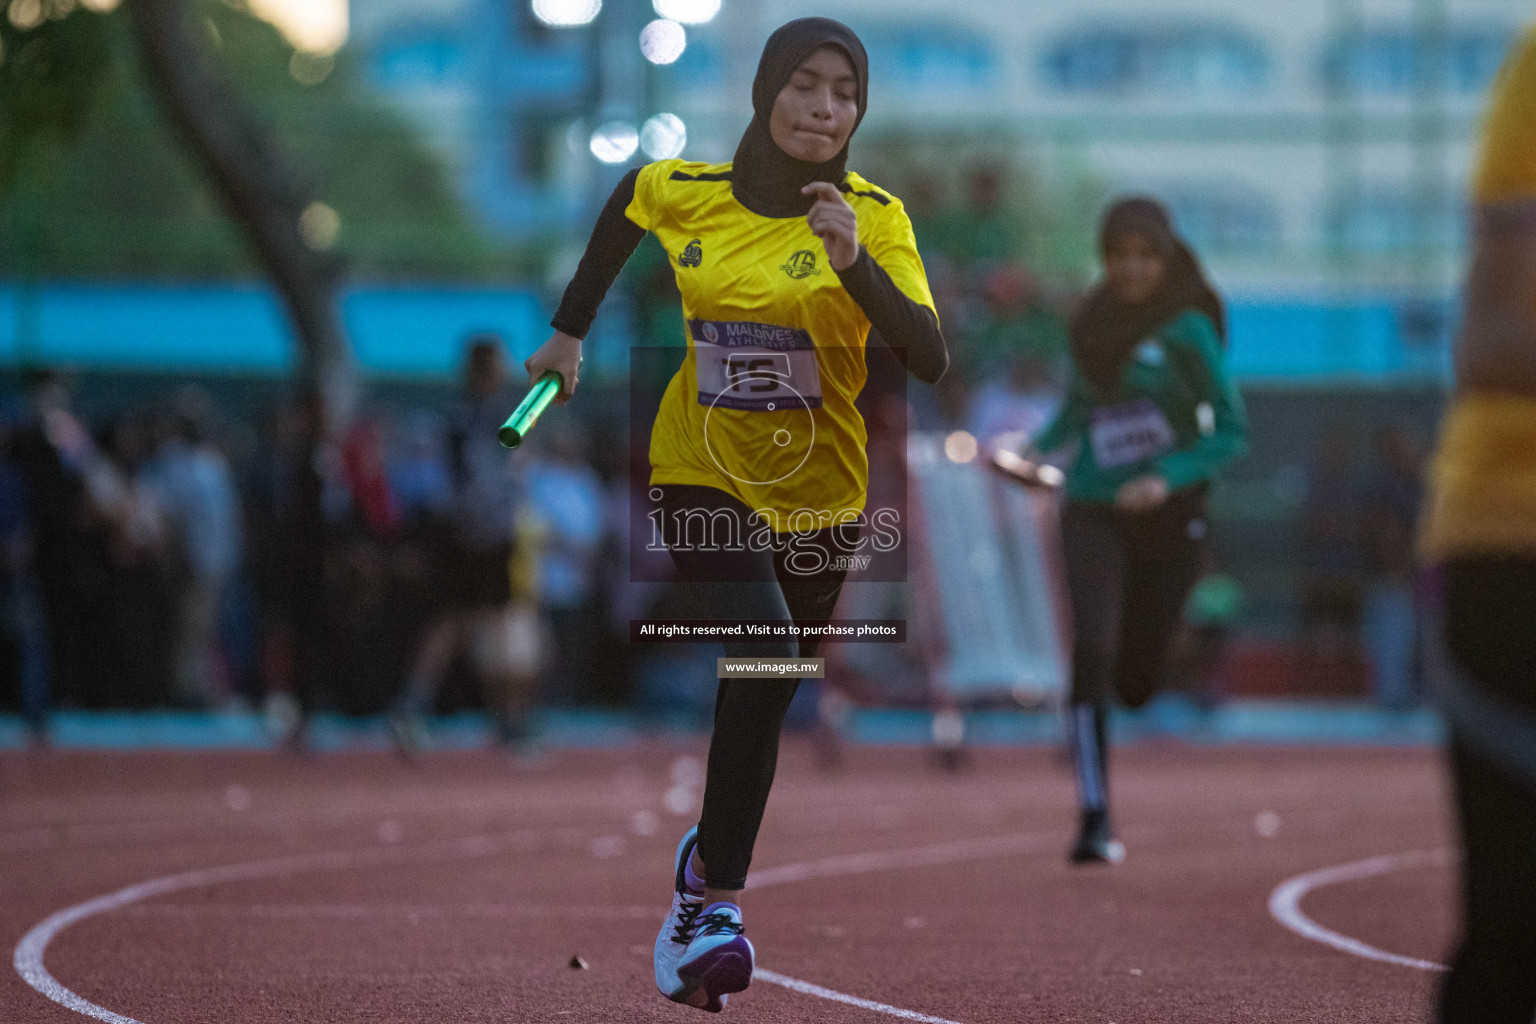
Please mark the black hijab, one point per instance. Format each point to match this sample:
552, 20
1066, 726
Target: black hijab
764, 178
1106, 329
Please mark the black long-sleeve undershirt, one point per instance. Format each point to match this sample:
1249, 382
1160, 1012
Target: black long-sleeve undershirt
909, 328
614, 240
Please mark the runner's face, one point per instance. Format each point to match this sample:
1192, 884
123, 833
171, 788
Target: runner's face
1134, 268
815, 112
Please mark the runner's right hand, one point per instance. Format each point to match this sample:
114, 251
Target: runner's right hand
1143, 494
561, 353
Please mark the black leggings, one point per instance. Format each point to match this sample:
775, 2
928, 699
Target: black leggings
1490, 634
1128, 576
726, 580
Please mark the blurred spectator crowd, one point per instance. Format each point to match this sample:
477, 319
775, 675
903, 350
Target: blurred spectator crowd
162, 560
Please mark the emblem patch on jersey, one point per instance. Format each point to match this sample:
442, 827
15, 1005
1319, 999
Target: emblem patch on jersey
692, 254
801, 264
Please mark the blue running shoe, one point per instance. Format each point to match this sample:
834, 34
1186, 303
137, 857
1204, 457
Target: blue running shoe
718, 961
701, 954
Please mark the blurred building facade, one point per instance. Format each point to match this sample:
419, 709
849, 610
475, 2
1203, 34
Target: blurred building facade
1294, 140
1285, 136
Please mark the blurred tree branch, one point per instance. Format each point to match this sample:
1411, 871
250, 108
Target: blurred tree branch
188, 140
259, 189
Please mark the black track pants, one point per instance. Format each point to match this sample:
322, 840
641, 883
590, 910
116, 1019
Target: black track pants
1490, 635
1128, 576
725, 580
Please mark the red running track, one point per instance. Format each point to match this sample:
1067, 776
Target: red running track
364, 890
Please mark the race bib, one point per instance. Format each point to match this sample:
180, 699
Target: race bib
1128, 433
755, 367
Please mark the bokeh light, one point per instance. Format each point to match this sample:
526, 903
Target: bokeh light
314, 26
615, 142
663, 41
960, 446
25, 15
566, 13
689, 12
663, 136
319, 225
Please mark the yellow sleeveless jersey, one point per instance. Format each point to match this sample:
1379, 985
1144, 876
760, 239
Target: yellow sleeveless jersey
1482, 496
762, 407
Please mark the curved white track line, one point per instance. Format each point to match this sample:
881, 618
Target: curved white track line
805, 987
1285, 903
28, 958
902, 857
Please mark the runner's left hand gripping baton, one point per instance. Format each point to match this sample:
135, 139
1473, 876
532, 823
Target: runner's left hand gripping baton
527, 412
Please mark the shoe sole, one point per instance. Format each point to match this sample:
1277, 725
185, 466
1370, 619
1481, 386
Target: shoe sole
715, 975
1111, 853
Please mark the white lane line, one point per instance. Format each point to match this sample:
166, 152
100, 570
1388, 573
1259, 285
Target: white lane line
806, 988
907, 857
353, 911
1285, 903
28, 959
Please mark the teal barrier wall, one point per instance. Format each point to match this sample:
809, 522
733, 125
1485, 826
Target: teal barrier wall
243, 329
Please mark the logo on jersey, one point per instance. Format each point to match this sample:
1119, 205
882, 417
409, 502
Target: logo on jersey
801, 264
692, 254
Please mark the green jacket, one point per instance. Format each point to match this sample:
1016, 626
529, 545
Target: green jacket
1175, 414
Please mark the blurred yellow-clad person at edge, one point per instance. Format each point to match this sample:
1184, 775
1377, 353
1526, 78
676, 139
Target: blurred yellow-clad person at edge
1480, 528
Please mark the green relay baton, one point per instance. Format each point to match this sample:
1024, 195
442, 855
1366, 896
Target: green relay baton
527, 412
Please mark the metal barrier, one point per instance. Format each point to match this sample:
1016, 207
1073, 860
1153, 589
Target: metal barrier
984, 557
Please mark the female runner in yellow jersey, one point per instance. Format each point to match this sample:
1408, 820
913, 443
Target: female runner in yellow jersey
785, 261
1480, 528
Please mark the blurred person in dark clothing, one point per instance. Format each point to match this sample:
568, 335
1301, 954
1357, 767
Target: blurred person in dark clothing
267, 493
421, 486
372, 638
483, 620
48, 448
144, 577
1332, 553
21, 609
565, 493
317, 503
1390, 617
